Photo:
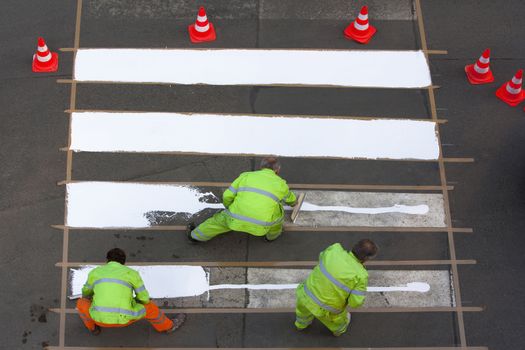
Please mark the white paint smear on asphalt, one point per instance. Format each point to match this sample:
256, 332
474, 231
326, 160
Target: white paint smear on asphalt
177, 281
398, 208
117, 204
229, 134
390, 69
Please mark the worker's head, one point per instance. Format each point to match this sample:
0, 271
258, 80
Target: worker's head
271, 163
116, 254
365, 250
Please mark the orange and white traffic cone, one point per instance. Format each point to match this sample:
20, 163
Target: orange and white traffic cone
479, 72
202, 30
360, 30
44, 60
511, 92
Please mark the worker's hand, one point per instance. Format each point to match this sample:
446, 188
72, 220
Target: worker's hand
293, 204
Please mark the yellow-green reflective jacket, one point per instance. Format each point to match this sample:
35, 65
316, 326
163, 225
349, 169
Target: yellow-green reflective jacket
255, 201
112, 287
340, 280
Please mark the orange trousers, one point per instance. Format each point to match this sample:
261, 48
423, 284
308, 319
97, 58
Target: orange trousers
154, 316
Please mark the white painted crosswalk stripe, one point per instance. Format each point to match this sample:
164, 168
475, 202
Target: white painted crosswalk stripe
275, 288
115, 204
229, 134
389, 69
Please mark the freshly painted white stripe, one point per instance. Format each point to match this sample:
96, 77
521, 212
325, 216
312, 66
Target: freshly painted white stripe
115, 204
177, 281
106, 204
160, 281
390, 69
175, 132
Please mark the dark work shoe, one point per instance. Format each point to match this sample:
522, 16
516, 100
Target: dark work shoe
190, 227
272, 240
177, 322
96, 331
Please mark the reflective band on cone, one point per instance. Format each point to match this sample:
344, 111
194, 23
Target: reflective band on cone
512, 90
202, 29
480, 70
360, 27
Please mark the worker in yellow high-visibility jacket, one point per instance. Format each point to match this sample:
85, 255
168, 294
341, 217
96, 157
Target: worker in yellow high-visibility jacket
115, 296
339, 281
254, 204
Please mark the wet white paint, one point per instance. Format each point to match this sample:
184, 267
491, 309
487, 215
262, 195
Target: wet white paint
117, 204
229, 134
175, 281
161, 281
373, 68
108, 204
398, 208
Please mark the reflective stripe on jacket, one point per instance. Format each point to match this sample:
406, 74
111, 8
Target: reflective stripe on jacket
255, 201
112, 287
338, 281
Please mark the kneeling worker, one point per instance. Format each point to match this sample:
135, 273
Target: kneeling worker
337, 282
108, 301
254, 204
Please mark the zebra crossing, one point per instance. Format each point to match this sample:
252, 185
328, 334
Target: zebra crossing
110, 205
105, 205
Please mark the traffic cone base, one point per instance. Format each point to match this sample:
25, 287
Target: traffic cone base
361, 36
198, 37
50, 66
511, 100
475, 78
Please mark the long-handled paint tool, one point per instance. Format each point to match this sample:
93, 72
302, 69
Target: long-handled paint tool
297, 208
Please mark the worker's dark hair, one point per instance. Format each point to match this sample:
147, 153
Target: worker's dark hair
116, 254
270, 163
365, 250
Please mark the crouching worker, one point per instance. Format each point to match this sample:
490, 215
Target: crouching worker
254, 204
115, 296
337, 282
